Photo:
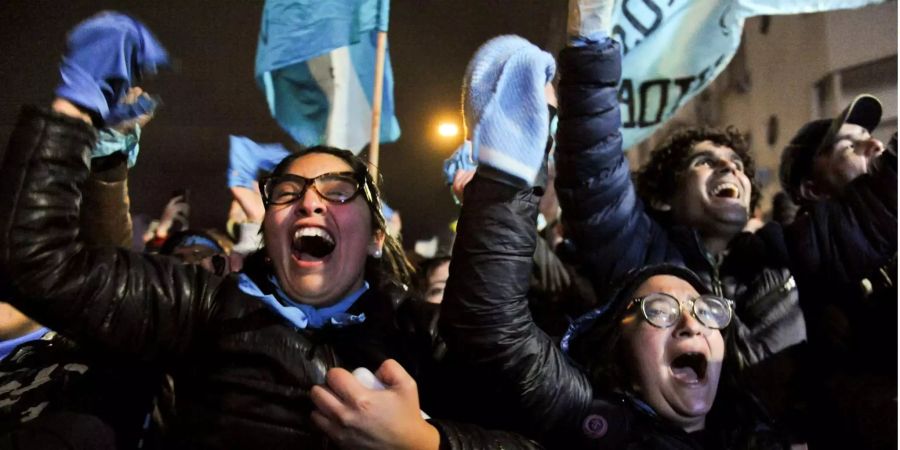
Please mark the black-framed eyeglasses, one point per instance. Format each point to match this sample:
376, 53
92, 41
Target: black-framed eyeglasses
663, 310
335, 187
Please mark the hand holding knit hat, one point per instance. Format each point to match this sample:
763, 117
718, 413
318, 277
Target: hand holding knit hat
505, 105
105, 56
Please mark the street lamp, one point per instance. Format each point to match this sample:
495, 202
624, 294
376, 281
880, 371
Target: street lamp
448, 129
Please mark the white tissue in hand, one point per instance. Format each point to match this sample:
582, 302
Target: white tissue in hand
368, 379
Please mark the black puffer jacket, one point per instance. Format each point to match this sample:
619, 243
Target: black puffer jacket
523, 375
613, 233
242, 373
844, 254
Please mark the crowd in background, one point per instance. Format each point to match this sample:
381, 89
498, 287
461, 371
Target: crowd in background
581, 303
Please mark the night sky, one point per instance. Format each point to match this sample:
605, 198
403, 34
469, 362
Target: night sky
211, 92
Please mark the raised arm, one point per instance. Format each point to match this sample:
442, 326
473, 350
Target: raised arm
122, 300
485, 320
601, 212
485, 317
105, 215
126, 302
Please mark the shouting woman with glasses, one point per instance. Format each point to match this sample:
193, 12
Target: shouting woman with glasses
250, 353
663, 354
652, 368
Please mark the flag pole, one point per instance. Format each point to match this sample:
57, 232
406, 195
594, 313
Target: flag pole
380, 49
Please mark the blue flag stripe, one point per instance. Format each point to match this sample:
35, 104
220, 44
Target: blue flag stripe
301, 97
316, 65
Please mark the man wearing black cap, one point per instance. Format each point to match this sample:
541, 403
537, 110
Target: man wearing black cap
828, 154
843, 248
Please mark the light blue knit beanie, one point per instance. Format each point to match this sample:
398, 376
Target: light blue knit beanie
505, 106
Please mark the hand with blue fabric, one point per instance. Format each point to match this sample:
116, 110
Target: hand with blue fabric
125, 137
105, 56
589, 17
461, 160
459, 169
135, 110
505, 105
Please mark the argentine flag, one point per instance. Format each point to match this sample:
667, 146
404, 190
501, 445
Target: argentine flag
675, 49
315, 62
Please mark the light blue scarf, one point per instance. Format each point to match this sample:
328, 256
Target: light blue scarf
306, 316
110, 141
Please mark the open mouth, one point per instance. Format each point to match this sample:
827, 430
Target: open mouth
726, 190
312, 243
689, 367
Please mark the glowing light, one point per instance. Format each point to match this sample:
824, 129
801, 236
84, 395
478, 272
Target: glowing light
448, 129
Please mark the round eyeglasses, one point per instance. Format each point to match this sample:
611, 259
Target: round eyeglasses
335, 187
663, 310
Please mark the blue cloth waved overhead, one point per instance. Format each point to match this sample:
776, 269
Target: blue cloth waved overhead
673, 50
247, 159
315, 63
105, 56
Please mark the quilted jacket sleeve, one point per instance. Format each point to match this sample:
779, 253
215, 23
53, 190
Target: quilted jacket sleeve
602, 214
485, 317
123, 301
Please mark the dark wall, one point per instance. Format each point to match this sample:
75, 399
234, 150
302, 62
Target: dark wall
211, 92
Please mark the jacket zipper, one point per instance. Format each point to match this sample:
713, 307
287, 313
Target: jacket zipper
714, 268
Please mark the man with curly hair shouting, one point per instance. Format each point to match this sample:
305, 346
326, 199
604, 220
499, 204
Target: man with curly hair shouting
689, 205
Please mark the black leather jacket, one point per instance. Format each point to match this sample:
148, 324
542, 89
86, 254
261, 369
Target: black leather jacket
242, 373
539, 392
67, 396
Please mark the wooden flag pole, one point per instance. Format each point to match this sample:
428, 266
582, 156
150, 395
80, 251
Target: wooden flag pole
380, 50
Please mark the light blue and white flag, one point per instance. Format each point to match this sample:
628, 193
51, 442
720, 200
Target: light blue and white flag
247, 160
315, 62
673, 49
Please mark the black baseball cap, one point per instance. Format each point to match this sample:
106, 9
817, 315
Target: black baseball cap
797, 158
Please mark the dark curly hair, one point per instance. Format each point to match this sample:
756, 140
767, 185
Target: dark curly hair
659, 177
